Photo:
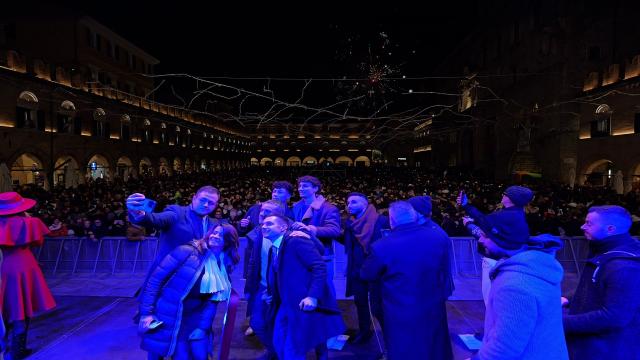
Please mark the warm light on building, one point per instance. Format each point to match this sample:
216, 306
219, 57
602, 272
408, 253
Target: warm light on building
623, 132
85, 133
422, 149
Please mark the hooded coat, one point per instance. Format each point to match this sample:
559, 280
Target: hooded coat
523, 319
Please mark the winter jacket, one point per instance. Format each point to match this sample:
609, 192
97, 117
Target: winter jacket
523, 319
604, 314
167, 287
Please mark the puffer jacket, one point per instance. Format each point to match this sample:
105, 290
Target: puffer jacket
165, 291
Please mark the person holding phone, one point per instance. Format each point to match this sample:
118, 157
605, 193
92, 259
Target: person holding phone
179, 301
178, 225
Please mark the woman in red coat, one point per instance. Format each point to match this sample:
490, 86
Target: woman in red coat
24, 292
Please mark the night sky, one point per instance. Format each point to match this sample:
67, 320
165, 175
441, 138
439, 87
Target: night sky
268, 40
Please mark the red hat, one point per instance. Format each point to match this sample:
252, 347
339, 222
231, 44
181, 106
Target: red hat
13, 203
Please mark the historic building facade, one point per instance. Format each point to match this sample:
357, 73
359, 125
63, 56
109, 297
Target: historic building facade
76, 103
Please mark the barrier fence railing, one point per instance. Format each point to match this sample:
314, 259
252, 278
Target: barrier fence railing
118, 254
108, 254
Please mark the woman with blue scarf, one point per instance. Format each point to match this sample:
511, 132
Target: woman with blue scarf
180, 299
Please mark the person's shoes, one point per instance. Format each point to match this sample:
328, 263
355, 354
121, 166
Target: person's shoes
362, 337
249, 332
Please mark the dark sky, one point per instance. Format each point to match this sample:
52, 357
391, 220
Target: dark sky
276, 40
215, 38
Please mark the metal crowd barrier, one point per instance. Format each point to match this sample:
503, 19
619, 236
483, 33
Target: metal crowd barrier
108, 254
118, 254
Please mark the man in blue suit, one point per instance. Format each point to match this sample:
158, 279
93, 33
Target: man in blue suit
411, 264
307, 312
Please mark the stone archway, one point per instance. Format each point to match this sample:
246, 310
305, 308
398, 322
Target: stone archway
145, 168
163, 167
598, 173
67, 172
344, 160
125, 168
294, 161
279, 161
362, 161
266, 161
98, 167
309, 161
28, 169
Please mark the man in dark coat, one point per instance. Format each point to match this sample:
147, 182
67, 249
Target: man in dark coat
422, 205
307, 311
319, 217
363, 227
412, 265
604, 315
255, 288
280, 191
178, 224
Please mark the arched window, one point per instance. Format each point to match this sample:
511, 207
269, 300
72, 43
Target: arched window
601, 124
125, 127
27, 114
67, 122
148, 132
101, 128
163, 133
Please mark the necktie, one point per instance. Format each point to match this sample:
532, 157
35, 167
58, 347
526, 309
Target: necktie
272, 268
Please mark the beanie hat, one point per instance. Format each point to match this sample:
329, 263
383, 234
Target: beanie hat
507, 228
421, 204
519, 195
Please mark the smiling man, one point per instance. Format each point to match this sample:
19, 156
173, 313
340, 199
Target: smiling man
305, 305
604, 314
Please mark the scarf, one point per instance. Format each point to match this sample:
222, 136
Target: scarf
215, 280
363, 227
315, 205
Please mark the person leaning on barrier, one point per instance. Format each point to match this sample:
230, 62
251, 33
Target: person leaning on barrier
411, 264
514, 199
603, 321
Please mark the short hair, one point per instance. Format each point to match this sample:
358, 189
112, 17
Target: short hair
279, 207
312, 180
281, 219
282, 185
614, 215
208, 189
402, 212
359, 194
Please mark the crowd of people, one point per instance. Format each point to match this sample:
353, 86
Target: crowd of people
396, 229
97, 208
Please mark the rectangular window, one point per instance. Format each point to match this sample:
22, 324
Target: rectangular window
98, 42
601, 127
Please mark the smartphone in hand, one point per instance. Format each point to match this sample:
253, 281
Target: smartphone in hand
147, 206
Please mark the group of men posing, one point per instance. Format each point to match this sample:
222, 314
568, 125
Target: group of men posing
399, 270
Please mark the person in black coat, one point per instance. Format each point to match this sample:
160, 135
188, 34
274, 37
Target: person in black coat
412, 265
603, 321
305, 305
361, 229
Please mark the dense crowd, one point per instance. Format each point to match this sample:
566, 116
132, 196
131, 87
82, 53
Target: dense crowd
97, 208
